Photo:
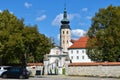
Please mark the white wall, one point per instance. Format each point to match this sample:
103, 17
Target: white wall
78, 55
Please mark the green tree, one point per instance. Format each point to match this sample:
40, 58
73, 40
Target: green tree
10, 32
104, 42
19, 43
37, 43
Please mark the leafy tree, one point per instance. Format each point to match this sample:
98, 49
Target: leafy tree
104, 42
19, 43
10, 32
37, 43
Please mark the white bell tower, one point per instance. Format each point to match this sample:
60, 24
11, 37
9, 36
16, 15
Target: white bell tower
65, 32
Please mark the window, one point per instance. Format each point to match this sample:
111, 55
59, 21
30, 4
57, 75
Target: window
71, 51
63, 41
63, 32
77, 51
67, 32
82, 51
71, 57
82, 57
77, 57
67, 41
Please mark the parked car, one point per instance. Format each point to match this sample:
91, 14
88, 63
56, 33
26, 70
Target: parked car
3, 69
16, 72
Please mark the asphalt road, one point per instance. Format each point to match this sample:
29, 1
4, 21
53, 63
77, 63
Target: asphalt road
61, 77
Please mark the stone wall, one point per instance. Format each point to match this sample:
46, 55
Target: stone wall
34, 67
107, 69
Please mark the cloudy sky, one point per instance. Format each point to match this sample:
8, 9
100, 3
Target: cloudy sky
47, 14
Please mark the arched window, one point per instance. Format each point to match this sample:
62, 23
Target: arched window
67, 41
67, 32
63, 32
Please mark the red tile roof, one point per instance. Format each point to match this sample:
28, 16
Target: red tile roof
34, 64
80, 43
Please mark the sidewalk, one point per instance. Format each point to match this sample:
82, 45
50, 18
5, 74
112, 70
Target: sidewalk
64, 77
60, 76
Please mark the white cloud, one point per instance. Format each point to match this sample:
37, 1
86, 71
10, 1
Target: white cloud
72, 16
82, 24
58, 36
27, 5
76, 33
41, 18
85, 9
11, 12
0, 11
58, 18
56, 21
88, 17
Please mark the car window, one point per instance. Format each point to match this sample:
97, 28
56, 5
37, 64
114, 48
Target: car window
17, 70
11, 70
14, 70
6, 68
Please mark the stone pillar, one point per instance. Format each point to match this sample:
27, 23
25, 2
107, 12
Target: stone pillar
60, 70
67, 61
46, 64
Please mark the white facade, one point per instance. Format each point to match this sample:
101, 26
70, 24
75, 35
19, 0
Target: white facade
56, 61
55, 55
78, 55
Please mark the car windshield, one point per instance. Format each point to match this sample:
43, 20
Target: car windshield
6, 68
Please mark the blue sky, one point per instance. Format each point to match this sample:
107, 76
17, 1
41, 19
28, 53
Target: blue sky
48, 13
